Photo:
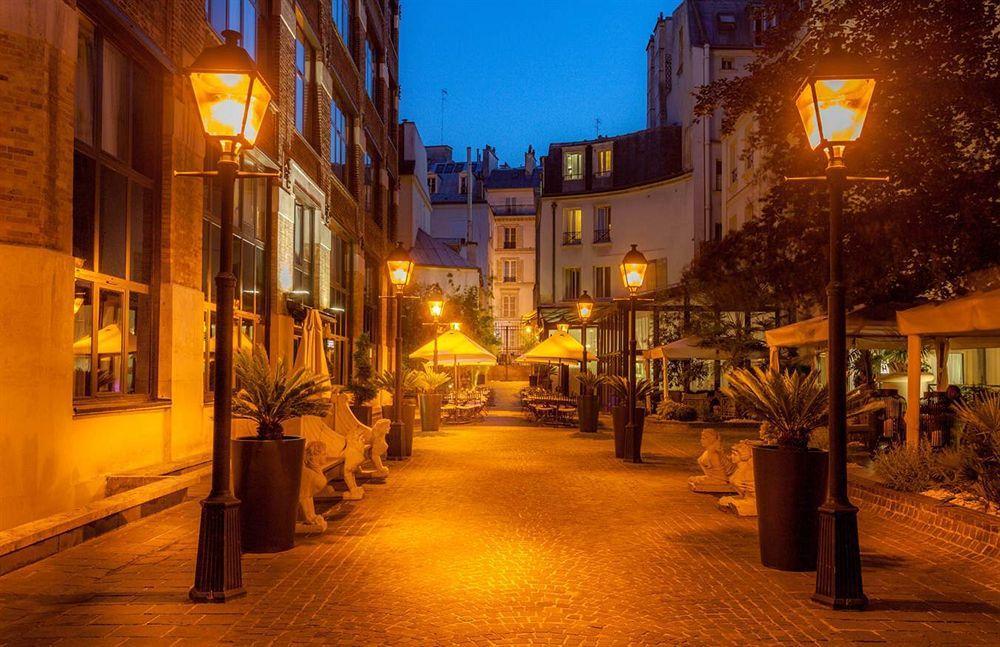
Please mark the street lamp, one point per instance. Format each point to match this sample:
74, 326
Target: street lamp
633, 269
232, 100
584, 308
435, 303
400, 267
833, 103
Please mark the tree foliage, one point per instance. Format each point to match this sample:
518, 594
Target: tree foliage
933, 128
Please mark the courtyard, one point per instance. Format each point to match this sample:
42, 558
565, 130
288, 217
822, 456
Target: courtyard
505, 533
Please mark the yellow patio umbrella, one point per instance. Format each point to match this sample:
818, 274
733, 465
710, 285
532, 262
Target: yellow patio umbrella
558, 347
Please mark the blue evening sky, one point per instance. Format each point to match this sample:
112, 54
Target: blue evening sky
522, 72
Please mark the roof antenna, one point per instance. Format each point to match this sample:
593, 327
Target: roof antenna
444, 97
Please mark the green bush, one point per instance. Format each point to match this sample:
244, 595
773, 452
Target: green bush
905, 468
670, 410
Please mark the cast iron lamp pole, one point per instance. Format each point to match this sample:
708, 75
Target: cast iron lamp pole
584, 308
833, 103
400, 267
633, 269
232, 100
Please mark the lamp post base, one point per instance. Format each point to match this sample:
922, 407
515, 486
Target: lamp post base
838, 568
396, 432
219, 574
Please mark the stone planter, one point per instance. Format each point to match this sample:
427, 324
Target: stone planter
790, 485
266, 479
430, 411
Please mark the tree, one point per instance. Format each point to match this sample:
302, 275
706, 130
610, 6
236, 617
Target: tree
932, 128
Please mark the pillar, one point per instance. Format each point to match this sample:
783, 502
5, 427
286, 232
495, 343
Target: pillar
913, 348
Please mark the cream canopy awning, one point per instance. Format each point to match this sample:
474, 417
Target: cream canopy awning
690, 348
455, 347
558, 347
972, 316
866, 328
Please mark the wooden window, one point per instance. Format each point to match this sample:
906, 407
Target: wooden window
116, 162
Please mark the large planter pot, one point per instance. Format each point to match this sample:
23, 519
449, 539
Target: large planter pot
619, 419
364, 413
430, 411
266, 477
790, 487
588, 407
401, 447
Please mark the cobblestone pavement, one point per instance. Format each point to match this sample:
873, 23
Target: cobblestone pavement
504, 533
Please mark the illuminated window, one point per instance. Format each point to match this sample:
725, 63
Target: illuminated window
572, 166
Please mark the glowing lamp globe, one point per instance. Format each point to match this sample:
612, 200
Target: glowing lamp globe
435, 301
231, 95
833, 101
633, 268
400, 266
585, 306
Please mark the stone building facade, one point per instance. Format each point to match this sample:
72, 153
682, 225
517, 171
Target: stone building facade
108, 314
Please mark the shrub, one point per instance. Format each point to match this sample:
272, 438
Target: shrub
670, 410
904, 468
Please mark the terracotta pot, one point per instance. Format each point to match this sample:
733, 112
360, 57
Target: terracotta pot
266, 479
790, 486
588, 407
430, 411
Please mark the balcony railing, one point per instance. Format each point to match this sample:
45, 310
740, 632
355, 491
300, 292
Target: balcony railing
602, 235
514, 210
572, 238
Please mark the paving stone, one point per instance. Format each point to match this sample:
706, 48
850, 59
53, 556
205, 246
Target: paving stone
505, 533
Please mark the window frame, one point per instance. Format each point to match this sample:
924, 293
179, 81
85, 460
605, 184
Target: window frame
95, 279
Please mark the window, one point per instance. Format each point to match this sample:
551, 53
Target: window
510, 237
602, 224
249, 264
571, 278
237, 15
718, 175
342, 20
508, 306
304, 57
603, 163
573, 166
432, 184
337, 332
727, 63
302, 253
115, 163
572, 231
602, 282
510, 270
371, 71
339, 135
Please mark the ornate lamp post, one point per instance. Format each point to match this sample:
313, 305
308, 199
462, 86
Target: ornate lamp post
584, 308
633, 269
232, 101
833, 103
435, 303
400, 267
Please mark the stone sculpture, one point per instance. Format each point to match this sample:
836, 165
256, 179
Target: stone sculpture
742, 478
715, 465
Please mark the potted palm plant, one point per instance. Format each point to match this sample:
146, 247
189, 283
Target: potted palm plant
587, 402
790, 475
619, 413
386, 381
360, 386
430, 384
267, 467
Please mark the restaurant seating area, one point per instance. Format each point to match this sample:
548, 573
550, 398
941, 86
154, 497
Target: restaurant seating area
548, 408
